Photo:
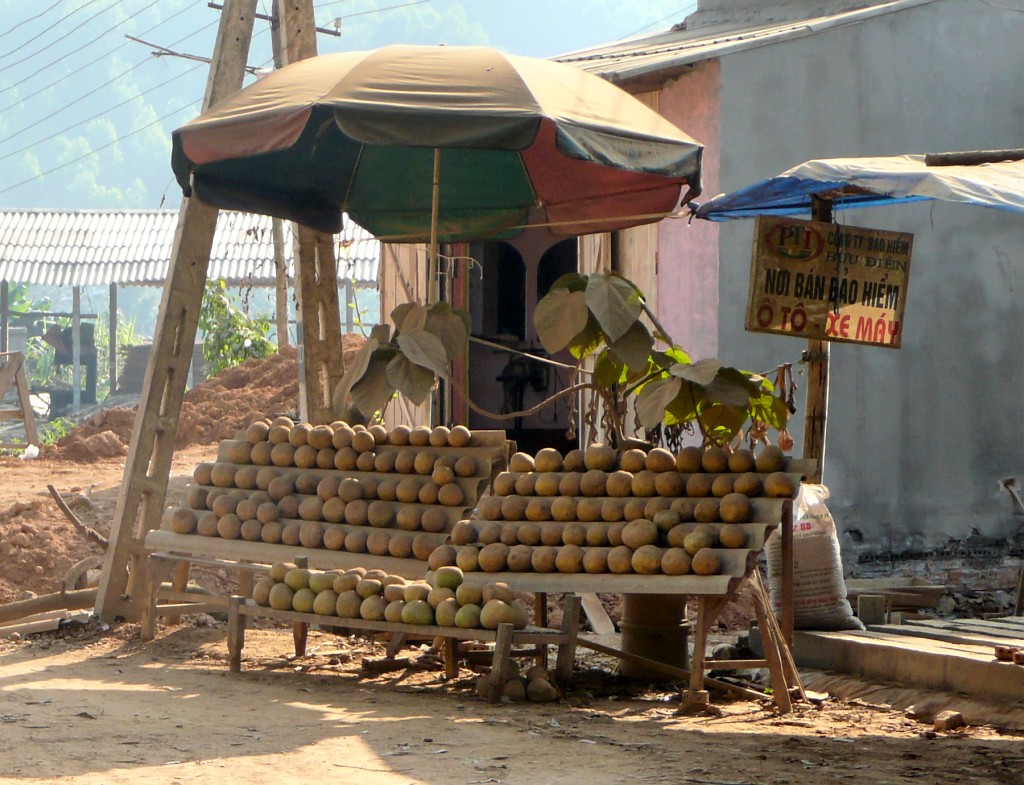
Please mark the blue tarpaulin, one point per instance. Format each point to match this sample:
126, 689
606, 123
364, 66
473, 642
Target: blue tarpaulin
872, 182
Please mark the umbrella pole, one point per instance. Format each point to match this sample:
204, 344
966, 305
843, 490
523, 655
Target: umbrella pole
435, 197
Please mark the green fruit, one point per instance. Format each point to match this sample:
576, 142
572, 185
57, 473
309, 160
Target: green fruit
261, 591
280, 597
448, 578
496, 612
446, 611
297, 578
373, 607
393, 611
319, 581
326, 603
467, 594
280, 569
347, 606
303, 600
418, 612
468, 617
416, 591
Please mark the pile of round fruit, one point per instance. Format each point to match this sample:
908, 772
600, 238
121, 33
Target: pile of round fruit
362, 490
374, 595
597, 512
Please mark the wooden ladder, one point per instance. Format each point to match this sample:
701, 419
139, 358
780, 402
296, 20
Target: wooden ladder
12, 373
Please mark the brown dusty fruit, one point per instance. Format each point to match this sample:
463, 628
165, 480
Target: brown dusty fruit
702, 536
222, 475
237, 450
735, 508
593, 483
548, 459
463, 533
574, 534
229, 527
488, 533
442, 556
675, 561
327, 488
363, 441
377, 542
260, 453
257, 432
676, 536
306, 483
460, 436
349, 489
563, 508
271, 532
451, 495
355, 542
639, 533
633, 509
387, 490
203, 473
399, 435
490, 508
600, 457
347, 606
400, 545
706, 562
466, 466
505, 484
424, 462
267, 512
741, 461
434, 520
779, 485
467, 558
526, 484
405, 461
574, 461
383, 462
379, 433
282, 454
298, 434
333, 510
528, 534
442, 474
569, 484
544, 557
611, 510
278, 434
569, 559
439, 436
732, 535
633, 461
660, 460
707, 511
513, 508
366, 461
357, 512
224, 504
304, 457
538, 509
342, 437
647, 560
245, 477
595, 560
423, 546
620, 560
656, 505
419, 436
310, 509
749, 484
346, 459
666, 520
689, 460
669, 484
619, 483
644, 484
699, 485
551, 534
520, 558
334, 537
380, 514
408, 490
429, 493
596, 535
715, 460
547, 484
521, 462
509, 534
182, 521
588, 509
723, 485
311, 534
770, 459
320, 437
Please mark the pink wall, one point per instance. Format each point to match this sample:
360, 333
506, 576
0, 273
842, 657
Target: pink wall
688, 252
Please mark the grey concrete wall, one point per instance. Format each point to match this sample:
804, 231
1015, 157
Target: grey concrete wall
917, 437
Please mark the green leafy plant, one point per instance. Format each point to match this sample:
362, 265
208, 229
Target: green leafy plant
230, 336
408, 360
55, 430
599, 316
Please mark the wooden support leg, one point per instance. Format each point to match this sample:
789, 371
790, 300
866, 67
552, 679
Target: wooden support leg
708, 609
154, 576
499, 665
770, 641
451, 664
236, 634
300, 632
245, 583
179, 582
567, 649
540, 616
395, 644
789, 669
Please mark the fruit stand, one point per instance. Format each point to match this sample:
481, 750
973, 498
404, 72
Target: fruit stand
391, 510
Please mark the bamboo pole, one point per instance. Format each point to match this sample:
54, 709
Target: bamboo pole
817, 359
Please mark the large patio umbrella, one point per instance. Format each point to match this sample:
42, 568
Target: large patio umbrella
467, 141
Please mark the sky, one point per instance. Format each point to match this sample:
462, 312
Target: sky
86, 114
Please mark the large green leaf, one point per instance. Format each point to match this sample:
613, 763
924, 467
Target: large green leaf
587, 341
373, 391
683, 408
731, 387
407, 377
574, 282
770, 409
634, 348
722, 423
353, 373
653, 398
702, 372
672, 354
409, 316
450, 330
424, 348
559, 317
608, 369
615, 302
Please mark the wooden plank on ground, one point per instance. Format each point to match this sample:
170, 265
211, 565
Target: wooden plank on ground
600, 622
948, 636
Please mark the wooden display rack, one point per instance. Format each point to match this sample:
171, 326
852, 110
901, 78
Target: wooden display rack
504, 638
12, 373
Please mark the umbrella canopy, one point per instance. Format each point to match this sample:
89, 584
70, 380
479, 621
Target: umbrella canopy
522, 142
872, 182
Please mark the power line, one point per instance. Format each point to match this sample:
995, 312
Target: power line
10, 30
103, 56
45, 48
98, 149
673, 15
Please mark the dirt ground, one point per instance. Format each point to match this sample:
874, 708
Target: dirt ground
87, 705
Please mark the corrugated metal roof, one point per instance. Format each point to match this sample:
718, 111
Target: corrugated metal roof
133, 247
632, 59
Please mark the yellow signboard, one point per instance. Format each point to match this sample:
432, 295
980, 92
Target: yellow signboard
828, 282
